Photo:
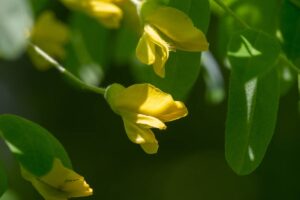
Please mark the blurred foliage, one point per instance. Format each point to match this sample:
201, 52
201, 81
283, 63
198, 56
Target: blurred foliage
254, 54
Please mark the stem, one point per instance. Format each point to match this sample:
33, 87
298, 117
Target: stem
230, 12
76, 81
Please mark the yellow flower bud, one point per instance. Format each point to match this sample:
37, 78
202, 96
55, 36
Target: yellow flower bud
60, 183
167, 29
142, 107
50, 35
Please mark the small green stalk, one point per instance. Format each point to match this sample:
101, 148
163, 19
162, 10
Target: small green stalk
76, 81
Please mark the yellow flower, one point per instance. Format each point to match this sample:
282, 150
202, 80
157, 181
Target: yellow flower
143, 106
168, 29
107, 12
50, 35
60, 183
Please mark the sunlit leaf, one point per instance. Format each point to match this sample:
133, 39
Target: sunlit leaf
260, 15
33, 146
251, 119
252, 53
15, 24
253, 99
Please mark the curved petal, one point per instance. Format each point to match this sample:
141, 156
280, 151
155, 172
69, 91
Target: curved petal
107, 13
144, 120
145, 50
60, 183
150, 122
159, 64
66, 180
162, 49
148, 100
179, 28
138, 134
150, 148
176, 111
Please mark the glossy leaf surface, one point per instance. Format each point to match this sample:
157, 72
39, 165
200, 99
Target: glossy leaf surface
253, 99
33, 146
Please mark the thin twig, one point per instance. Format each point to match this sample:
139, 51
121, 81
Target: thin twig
66, 73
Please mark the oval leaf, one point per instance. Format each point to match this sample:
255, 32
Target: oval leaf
253, 99
33, 146
251, 120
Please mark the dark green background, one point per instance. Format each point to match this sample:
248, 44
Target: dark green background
190, 164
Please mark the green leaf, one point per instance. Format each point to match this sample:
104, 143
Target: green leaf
182, 68
3, 180
253, 99
252, 53
125, 46
33, 146
290, 28
251, 120
15, 23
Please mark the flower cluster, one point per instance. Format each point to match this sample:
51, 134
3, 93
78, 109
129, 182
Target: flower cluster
141, 106
167, 29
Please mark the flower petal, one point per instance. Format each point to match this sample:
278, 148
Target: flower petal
60, 183
150, 148
162, 49
178, 27
66, 180
137, 133
143, 136
144, 120
145, 50
148, 100
48, 192
107, 13
176, 111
